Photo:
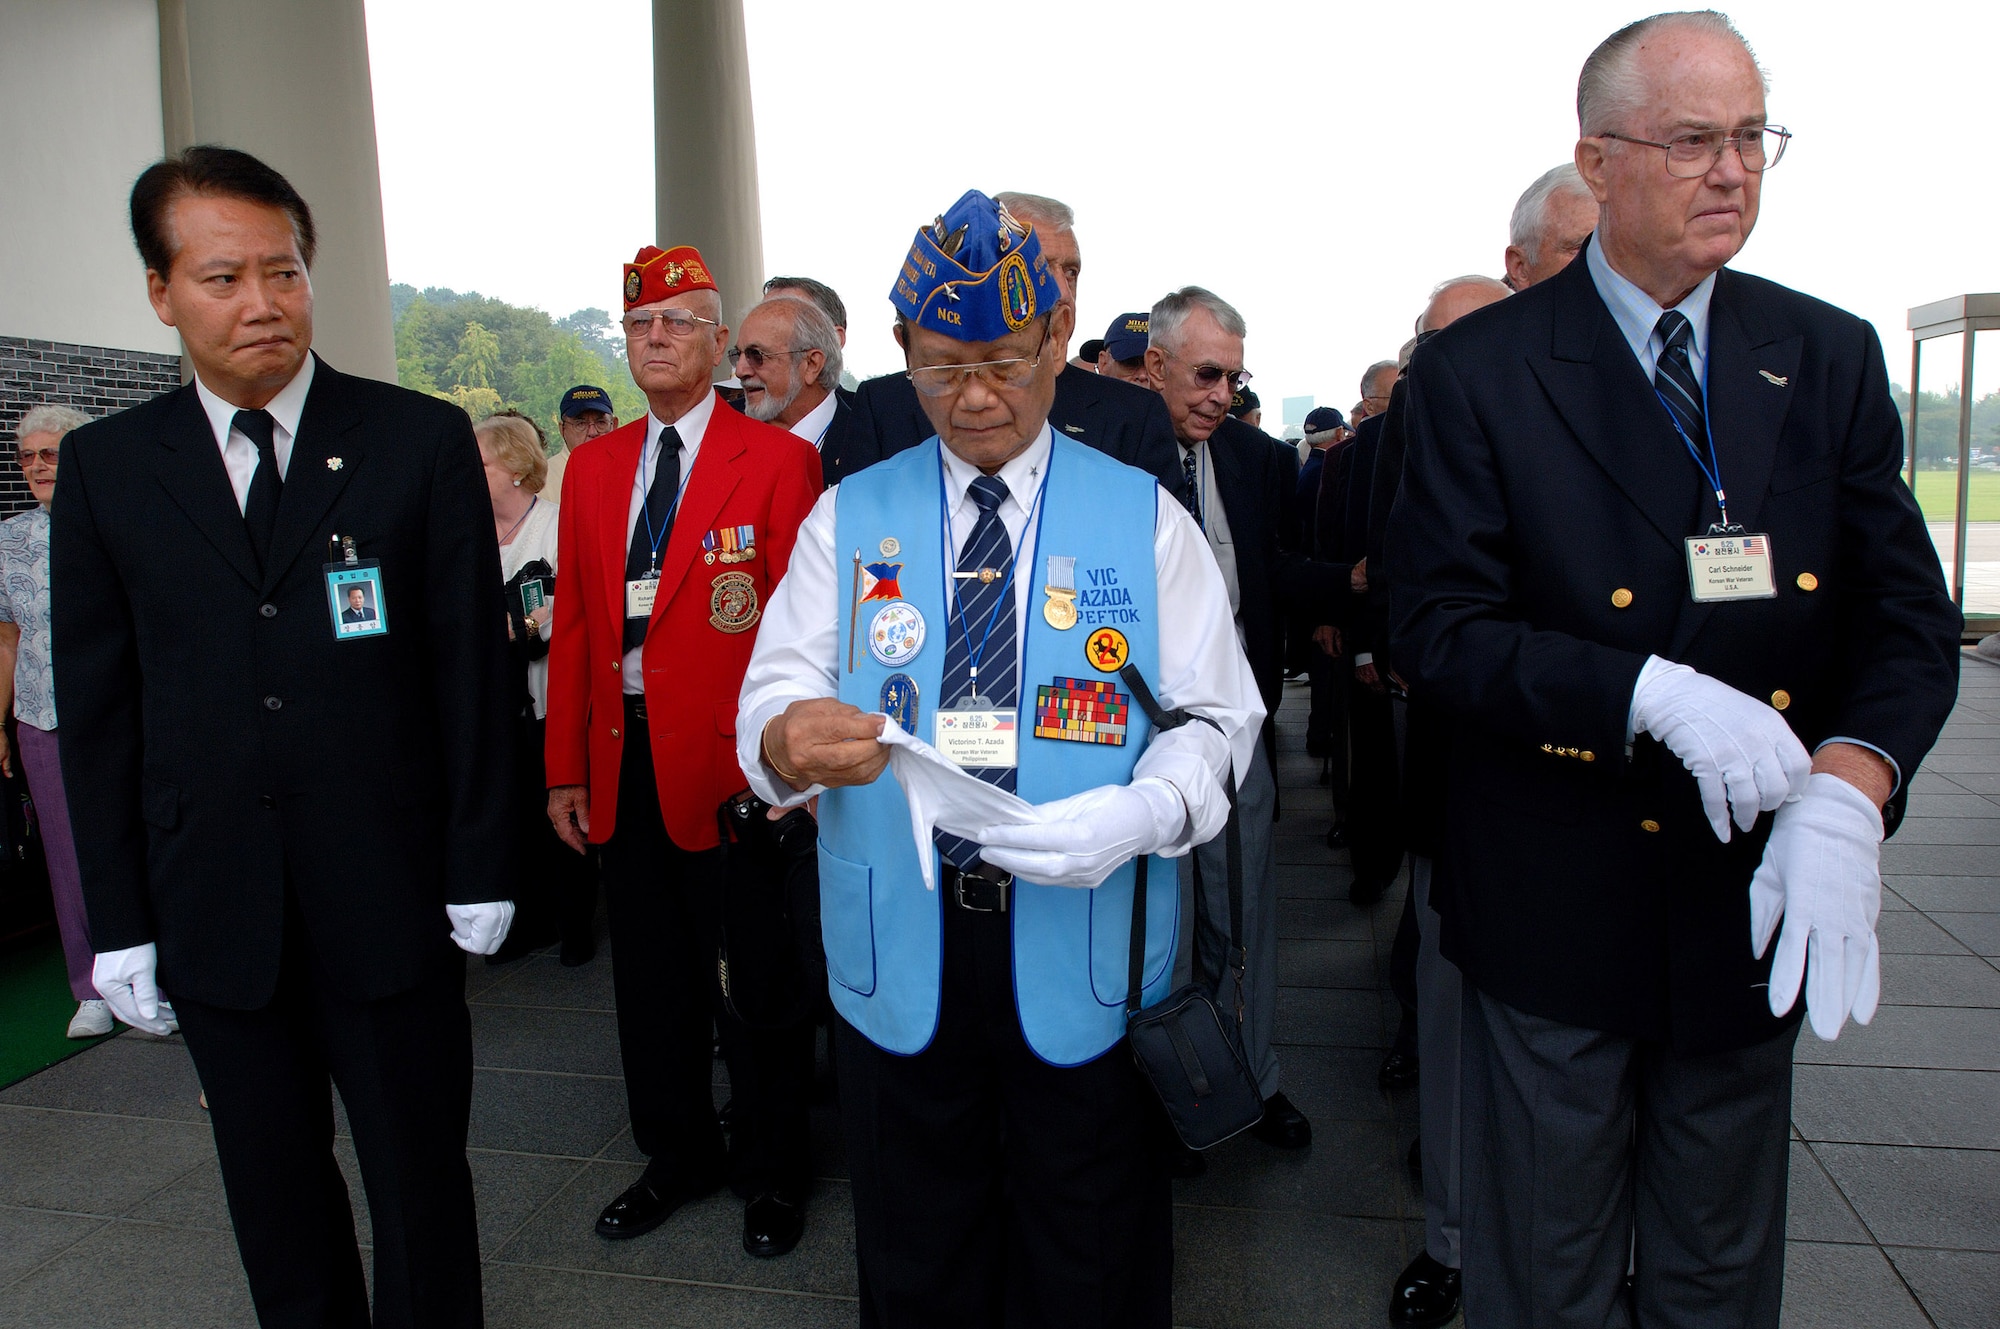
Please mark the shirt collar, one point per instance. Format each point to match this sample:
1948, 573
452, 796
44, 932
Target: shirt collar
1023, 474
812, 426
286, 408
1637, 314
692, 427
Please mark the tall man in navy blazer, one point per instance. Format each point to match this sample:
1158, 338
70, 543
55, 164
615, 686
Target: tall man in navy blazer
281, 825
1611, 876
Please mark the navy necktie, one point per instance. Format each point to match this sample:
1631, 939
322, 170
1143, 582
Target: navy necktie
260, 506
1673, 377
656, 512
979, 602
1191, 485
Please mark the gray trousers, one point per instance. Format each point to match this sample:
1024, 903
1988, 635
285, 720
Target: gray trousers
1205, 901
1439, 1012
1589, 1153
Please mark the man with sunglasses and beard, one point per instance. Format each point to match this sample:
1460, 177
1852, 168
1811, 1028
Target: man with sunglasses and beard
787, 356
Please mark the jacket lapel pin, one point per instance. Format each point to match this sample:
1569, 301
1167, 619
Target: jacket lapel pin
1781, 380
335, 463
1072, 429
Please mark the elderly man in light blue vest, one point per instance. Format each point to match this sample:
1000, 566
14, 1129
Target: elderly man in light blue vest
984, 591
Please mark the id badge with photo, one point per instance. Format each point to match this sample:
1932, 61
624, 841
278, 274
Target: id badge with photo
640, 593
976, 734
1735, 566
354, 598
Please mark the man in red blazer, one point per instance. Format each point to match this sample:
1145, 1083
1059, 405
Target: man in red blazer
674, 531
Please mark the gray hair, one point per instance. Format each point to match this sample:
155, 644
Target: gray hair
1530, 223
818, 292
1371, 371
812, 330
1164, 328
1452, 283
1609, 87
49, 418
1037, 210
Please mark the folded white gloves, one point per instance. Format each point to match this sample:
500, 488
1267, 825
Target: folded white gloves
1822, 873
480, 928
1742, 753
1080, 840
125, 980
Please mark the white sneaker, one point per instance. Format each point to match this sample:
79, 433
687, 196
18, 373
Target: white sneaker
92, 1019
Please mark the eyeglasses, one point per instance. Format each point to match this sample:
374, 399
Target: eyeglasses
1693, 155
679, 323
1209, 375
943, 380
757, 355
32, 456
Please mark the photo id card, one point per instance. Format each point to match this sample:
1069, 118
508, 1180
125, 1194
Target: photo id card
354, 597
972, 734
1730, 567
535, 592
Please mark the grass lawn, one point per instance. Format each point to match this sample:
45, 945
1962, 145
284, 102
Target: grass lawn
1937, 494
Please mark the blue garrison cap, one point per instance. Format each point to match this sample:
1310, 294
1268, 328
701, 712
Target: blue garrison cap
975, 274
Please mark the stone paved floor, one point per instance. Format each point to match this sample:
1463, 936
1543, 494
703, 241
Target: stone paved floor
111, 1210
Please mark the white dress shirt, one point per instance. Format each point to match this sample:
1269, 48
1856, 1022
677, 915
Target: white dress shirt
239, 454
1202, 665
692, 427
812, 426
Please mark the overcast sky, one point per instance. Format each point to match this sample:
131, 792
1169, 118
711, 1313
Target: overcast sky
1321, 166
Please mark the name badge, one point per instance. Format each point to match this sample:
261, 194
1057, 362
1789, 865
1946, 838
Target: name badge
975, 735
1730, 567
640, 593
354, 597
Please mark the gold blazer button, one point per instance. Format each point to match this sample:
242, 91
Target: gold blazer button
1649, 826
1621, 598
1781, 699
1808, 582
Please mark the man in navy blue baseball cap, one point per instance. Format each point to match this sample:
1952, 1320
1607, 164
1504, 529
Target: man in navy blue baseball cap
582, 413
1124, 352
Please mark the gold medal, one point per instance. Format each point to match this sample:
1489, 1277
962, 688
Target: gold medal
1059, 610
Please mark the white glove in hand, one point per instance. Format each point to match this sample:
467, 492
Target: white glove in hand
1822, 872
1742, 753
125, 980
1080, 840
480, 928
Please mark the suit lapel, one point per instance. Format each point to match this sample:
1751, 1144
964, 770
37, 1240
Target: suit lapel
1234, 482
198, 483
1746, 410
328, 449
713, 480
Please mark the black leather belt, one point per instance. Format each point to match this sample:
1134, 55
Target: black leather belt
635, 705
984, 890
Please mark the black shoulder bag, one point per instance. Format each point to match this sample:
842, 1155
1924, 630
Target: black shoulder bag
768, 958
1190, 1051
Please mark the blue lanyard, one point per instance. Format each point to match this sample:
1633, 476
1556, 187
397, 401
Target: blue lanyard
1711, 470
954, 602
657, 538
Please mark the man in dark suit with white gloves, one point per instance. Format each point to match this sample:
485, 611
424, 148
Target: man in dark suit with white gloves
282, 825
1656, 569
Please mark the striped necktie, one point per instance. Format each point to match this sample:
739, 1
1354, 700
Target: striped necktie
979, 602
1673, 377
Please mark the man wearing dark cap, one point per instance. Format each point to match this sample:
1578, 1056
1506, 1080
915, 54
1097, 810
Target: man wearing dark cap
993, 580
1122, 353
1086, 355
1244, 406
583, 413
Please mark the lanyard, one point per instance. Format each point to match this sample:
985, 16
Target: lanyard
657, 538
955, 604
1711, 470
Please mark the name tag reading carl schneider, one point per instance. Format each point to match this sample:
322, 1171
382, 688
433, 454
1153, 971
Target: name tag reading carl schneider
1730, 567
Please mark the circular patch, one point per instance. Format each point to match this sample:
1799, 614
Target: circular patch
1017, 292
732, 604
896, 634
891, 546
1107, 650
633, 281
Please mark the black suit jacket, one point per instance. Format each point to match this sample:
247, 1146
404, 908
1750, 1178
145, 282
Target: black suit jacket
221, 748
1258, 478
1577, 882
1118, 419
845, 443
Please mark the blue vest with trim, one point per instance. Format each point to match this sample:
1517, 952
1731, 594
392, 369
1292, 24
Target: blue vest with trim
1072, 948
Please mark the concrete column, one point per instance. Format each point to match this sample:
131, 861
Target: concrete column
289, 83
705, 144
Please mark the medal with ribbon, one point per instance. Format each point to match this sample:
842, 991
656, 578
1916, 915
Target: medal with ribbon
1059, 610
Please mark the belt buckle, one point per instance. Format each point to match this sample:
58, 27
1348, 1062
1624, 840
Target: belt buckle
997, 886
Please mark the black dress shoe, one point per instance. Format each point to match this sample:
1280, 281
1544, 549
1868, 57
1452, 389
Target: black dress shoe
773, 1222
1336, 836
1282, 1124
1183, 1162
649, 1201
578, 951
1399, 1071
1426, 1295
1365, 892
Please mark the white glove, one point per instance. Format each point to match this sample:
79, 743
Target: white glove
1080, 840
125, 980
1743, 754
480, 928
1822, 871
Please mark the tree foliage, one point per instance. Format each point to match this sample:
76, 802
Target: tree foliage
485, 354
1937, 425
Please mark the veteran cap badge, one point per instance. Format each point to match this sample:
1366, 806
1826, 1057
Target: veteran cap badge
975, 274
654, 274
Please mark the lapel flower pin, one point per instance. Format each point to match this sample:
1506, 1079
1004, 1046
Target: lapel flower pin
334, 463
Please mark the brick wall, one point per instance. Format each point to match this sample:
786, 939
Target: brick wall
95, 379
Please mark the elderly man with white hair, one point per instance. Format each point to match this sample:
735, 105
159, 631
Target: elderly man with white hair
1657, 573
1553, 218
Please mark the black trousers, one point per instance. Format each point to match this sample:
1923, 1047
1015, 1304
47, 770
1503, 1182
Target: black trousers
661, 903
993, 1189
556, 895
403, 1066
1374, 807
